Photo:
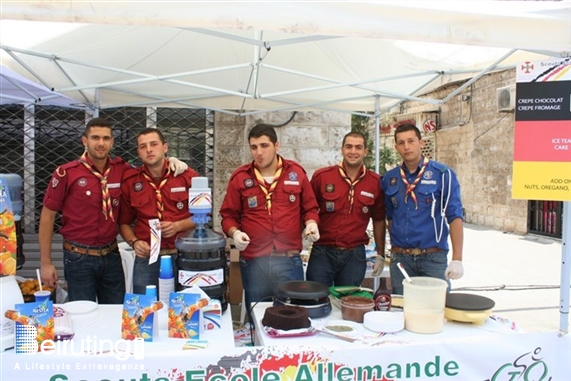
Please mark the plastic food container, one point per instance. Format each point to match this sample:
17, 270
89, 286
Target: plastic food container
423, 304
354, 308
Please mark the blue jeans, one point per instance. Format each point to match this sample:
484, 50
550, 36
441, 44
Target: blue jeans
145, 274
335, 267
262, 275
431, 265
95, 278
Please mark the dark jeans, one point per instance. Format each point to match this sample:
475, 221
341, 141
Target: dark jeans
336, 267
145, 274
261, 276
431, 265
90, 277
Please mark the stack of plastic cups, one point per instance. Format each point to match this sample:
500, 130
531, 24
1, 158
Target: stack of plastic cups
166, 279
152, 291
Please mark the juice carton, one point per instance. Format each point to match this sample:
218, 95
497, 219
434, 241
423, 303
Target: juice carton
212, 315
184, 315
138, 315
34, 325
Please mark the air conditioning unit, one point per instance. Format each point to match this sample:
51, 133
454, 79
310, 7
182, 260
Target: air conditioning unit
505, 98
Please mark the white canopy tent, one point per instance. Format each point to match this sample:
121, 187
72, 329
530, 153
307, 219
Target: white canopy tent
250, 57
16, 89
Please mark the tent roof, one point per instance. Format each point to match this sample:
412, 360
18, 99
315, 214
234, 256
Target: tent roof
17, 89
271, 56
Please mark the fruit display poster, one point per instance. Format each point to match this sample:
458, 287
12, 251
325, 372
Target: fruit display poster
8, 243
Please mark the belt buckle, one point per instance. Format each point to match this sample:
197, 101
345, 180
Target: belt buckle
416, 251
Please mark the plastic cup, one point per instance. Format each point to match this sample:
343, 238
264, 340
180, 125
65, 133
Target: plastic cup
423, 304
166, 271
151, 291
42, 295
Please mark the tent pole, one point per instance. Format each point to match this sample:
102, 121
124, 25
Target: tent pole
377, 129
96, 102
565, 270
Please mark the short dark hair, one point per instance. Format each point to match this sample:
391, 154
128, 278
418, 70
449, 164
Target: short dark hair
355, 134
97, 122
262, 129
150, 130
408, 127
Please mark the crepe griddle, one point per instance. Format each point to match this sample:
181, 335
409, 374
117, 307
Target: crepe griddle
314, 296
468, 308
468, 302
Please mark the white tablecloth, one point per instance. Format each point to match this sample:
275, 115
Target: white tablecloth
453, 331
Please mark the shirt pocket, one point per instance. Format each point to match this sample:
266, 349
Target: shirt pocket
330, 202
391, 196
178, 199
140, 199
253, 198
289, 195
425, 195
89, 192
364, 203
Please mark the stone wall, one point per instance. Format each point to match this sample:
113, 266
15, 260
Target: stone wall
476, 141
473, 138
313, 139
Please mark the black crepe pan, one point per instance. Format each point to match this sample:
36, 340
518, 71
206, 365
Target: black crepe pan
468, 308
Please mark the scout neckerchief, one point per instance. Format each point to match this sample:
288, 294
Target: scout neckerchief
268, 189
159, 197
410, 187
351, 182
107, 208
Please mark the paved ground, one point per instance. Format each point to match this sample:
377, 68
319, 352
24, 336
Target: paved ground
521, 273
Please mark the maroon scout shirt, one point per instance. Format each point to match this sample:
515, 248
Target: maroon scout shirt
139, 202
76, 192
293, 203
337, 226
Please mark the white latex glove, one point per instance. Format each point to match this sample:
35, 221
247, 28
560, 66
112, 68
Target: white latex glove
311, 232
379, 265
177, 166
455, 270
241, 240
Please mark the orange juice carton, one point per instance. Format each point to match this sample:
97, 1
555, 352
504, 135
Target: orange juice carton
212, 315
137, 317
184, 315
34, 326
8, 249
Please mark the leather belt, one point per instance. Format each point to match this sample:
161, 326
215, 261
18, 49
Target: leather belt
167, 251
99, 251
415, 251
288, 253
340, 248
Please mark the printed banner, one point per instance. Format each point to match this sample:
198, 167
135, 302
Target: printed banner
542, 136
537, 356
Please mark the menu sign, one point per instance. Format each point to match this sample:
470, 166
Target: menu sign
542, 136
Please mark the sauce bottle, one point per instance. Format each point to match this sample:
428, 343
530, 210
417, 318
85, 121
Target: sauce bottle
382, 297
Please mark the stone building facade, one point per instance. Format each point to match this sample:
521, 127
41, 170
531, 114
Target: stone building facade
472, 137
476, 141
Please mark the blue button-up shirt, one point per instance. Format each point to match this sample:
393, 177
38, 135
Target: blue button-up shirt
423, 227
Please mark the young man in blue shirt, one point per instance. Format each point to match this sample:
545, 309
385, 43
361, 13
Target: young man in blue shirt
423, 207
